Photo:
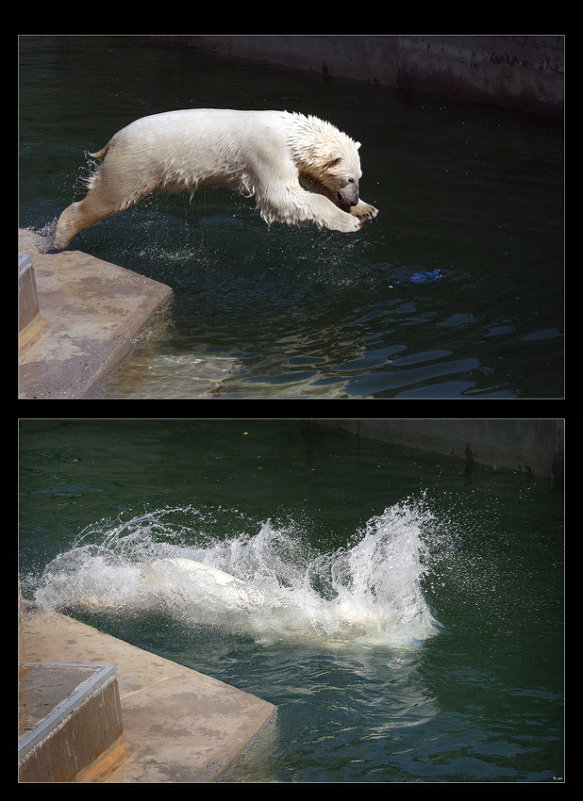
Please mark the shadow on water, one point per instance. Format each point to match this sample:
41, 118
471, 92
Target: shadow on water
455, 290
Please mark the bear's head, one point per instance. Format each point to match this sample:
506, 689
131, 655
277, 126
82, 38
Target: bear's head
328, 157
342, 175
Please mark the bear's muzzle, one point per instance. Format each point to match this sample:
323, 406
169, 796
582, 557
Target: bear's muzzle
348, 197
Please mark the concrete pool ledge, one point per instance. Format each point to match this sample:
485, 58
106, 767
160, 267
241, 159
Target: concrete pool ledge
178, 725
78, 317
68, 717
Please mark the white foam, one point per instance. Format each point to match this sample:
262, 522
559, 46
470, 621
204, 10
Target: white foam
270, 584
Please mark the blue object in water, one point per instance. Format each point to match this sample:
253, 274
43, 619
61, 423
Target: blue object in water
420, 278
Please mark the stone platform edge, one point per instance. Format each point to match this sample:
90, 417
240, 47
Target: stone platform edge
179, 725
79, 317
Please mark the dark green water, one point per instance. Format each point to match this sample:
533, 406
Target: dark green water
455, 290
461, 680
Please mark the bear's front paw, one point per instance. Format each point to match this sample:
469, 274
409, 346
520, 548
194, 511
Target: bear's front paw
348, 224
364, 211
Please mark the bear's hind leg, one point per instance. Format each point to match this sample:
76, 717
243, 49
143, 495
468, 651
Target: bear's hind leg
72, 220
83, 214
108, 195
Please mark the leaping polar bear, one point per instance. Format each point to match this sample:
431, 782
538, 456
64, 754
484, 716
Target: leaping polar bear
299, 168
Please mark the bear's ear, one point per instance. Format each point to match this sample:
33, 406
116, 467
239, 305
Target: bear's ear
357, 145
334, 158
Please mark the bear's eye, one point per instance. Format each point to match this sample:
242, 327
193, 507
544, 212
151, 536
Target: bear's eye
351, 180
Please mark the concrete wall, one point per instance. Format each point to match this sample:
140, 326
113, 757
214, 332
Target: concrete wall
520, 72
27, 292
528, 445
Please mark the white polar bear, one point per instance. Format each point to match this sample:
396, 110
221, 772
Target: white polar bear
271, 155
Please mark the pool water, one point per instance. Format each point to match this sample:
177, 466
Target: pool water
454, 290
413, 622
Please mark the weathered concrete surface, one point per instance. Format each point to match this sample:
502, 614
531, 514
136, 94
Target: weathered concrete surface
68, 716
90, 311
27, 294
179, 725
530, 445
520, 72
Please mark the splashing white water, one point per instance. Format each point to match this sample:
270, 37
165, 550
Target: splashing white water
269, 584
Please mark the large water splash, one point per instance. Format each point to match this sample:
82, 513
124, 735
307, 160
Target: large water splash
270, 583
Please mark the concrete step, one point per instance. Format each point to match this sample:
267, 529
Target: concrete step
27, 293
68, 715
178, 725
79, 317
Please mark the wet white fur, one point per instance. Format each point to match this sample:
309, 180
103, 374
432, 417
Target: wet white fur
299, 169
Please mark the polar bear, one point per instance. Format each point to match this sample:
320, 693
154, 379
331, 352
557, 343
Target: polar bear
299, 168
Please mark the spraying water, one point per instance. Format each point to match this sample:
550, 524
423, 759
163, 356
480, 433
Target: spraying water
269, 584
